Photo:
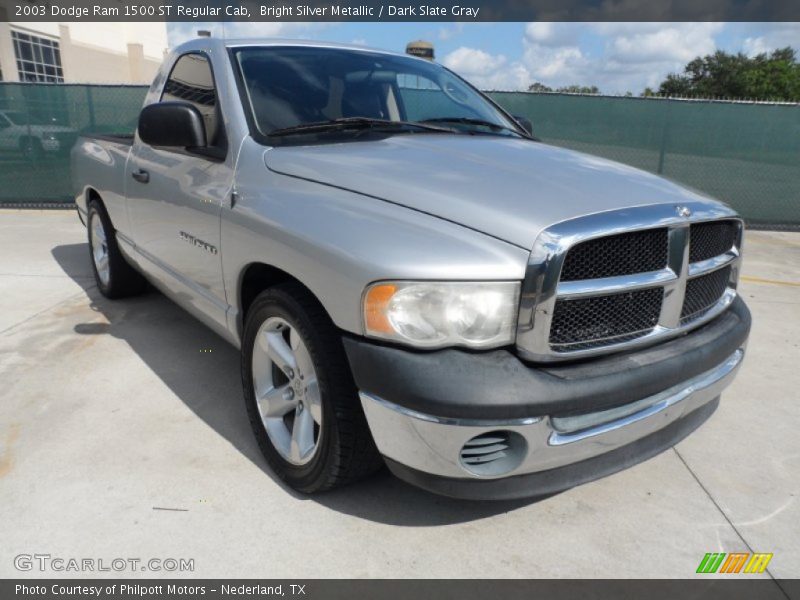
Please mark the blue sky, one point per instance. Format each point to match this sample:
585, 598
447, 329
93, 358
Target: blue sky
616, 57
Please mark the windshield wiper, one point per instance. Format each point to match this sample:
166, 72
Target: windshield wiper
470, 121
356, 123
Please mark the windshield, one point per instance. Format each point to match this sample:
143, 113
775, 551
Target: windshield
289, 87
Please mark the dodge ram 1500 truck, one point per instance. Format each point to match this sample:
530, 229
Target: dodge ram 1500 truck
412, 278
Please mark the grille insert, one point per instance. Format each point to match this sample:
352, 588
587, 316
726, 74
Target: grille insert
601, 320
708, 240
703, 292
614, 255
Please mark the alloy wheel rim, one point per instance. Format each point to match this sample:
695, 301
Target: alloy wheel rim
100, 249
287, 391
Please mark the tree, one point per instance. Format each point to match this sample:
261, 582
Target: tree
567, 89
579, 89
539, 87
773, 76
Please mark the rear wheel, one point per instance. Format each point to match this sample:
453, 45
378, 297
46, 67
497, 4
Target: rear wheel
300, 395
115, 278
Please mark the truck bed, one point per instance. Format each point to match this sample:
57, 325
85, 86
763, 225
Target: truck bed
101, 158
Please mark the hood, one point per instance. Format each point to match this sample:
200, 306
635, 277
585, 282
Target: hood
505, 187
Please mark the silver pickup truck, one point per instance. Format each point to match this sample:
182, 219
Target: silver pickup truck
412, 278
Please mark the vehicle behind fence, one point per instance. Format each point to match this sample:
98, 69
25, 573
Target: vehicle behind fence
39, 123
745, 154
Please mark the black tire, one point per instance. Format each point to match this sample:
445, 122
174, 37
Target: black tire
346, 451
122, 280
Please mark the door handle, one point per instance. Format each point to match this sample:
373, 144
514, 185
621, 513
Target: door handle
141, 175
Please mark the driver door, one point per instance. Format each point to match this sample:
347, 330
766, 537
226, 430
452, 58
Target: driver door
175, 198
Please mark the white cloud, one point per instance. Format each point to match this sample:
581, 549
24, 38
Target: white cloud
181, 32
672, 42
558, 65
552, 34
755, 45
773, 36
552, 54
630, 56
626, 28
487, 71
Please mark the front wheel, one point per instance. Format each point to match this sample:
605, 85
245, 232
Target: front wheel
300, 395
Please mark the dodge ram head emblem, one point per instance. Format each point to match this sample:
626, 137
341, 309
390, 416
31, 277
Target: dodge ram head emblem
683, 211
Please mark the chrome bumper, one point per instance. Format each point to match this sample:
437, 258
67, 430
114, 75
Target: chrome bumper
433, 445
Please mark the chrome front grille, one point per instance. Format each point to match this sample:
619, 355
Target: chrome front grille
610, 281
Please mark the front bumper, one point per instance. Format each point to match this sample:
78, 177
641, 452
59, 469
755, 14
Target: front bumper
557, 442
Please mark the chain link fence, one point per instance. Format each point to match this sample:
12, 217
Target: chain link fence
745, 154
39, 124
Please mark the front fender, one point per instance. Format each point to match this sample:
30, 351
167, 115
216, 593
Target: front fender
336, 242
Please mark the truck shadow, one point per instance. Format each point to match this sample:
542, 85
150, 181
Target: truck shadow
202, 370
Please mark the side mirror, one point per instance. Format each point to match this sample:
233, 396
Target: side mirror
172, 124
525, 123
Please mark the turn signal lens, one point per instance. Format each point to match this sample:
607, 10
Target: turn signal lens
376, 304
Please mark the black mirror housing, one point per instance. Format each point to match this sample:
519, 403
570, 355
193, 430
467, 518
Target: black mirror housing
525, 123
173, 125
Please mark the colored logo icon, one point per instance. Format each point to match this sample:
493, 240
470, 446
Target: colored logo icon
736, 562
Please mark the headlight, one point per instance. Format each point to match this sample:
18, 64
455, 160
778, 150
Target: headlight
436, 314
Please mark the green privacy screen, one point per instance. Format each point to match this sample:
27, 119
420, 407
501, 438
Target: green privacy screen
39, 123
747, 155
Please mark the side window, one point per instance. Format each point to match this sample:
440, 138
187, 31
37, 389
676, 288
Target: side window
191, 81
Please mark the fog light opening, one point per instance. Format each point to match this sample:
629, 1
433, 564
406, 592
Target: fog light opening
494, 453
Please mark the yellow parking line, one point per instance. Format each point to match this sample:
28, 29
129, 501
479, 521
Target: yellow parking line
770, 281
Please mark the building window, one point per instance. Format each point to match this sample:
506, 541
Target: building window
38, 59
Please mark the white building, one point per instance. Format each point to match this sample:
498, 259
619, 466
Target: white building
81, 52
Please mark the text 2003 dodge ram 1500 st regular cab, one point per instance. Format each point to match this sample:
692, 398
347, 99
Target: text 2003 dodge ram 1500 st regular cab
411, 277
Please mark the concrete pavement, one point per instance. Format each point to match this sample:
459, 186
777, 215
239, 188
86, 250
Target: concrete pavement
123, 434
